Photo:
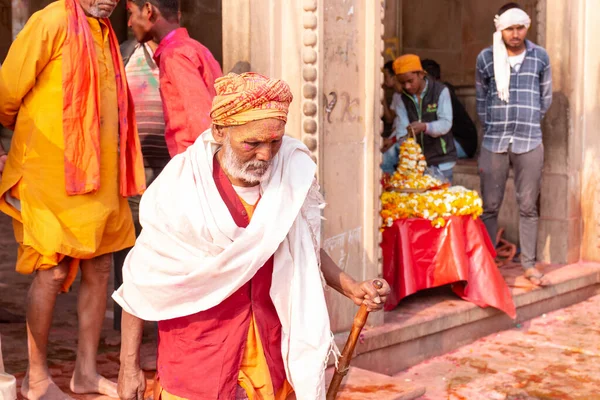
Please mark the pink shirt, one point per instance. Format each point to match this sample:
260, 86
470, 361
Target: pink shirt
188, 72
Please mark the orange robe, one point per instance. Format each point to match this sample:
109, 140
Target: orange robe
51, 225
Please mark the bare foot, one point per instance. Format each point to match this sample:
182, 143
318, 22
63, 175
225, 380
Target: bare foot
42, 390
96, 384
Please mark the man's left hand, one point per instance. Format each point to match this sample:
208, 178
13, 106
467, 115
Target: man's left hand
418, 127
366, 293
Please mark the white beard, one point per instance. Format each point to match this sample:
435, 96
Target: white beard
252, 172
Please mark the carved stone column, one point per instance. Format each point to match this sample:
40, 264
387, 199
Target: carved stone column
562, 27
236, 33
310, 75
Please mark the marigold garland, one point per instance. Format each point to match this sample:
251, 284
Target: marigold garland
435, 204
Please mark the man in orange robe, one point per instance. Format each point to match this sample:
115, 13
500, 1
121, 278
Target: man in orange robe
73, 159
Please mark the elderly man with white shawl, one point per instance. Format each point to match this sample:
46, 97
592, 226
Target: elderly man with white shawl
514, 91
229, 261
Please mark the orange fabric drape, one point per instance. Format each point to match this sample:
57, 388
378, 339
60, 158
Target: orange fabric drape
81, 113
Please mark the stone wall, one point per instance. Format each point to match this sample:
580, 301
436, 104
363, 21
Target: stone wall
589, 151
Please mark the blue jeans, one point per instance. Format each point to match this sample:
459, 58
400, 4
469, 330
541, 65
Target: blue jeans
448, 173
390, 159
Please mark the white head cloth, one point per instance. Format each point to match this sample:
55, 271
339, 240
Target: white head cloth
512, 17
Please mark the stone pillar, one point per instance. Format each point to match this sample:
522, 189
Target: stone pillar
562, 30
236, 33
348, 141
569, 228
268, 36
319, 50
588, 78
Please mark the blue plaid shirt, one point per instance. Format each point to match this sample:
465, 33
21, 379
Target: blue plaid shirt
530, 97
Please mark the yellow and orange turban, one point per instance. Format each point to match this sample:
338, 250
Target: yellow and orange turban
407, 63
249, 97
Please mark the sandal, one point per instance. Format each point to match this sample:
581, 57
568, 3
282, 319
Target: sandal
536, 277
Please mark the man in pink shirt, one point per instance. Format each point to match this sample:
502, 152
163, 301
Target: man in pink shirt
188, 70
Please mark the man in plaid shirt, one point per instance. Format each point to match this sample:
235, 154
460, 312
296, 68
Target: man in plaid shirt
514, 91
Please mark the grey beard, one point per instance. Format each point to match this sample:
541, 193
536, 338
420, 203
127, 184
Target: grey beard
252, 172
96, 12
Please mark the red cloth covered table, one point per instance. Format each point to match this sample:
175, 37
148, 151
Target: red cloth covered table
418, 256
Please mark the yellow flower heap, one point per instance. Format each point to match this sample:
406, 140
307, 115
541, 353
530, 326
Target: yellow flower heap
435, 205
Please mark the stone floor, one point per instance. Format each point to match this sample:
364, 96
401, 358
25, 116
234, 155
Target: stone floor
555, 356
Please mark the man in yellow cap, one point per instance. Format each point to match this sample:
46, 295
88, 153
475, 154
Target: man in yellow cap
229, 261
425, 105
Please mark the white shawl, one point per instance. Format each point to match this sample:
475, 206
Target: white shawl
511, 17
191, 255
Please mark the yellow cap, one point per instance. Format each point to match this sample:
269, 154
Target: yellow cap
407, 63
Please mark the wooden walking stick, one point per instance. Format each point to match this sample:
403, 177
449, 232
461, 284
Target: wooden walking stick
344, 362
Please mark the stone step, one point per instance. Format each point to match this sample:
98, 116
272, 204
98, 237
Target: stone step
361, 384
435, 322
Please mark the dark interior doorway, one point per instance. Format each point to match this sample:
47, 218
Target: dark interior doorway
204, 21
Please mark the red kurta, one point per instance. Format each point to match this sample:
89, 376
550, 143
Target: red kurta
188, 72
199, 356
